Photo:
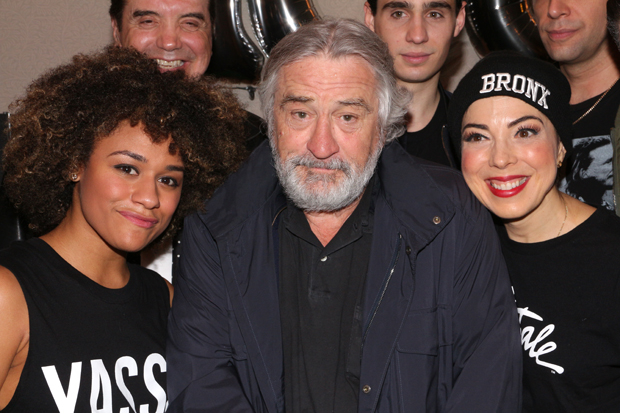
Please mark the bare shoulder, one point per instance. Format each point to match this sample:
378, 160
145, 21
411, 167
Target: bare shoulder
12, 300
15, 333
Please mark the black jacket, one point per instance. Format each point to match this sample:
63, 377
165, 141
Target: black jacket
440, 328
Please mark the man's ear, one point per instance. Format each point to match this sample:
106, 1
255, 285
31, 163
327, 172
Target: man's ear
369, 18
116, 33
460, 19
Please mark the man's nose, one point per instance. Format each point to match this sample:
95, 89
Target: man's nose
322, 143
417, 32
557, 9
168, 37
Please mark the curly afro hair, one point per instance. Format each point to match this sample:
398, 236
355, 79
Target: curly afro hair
55, 126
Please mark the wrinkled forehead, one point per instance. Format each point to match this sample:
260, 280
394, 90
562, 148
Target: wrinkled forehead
326, 77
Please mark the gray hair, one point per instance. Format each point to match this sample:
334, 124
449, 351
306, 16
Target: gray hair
338, 38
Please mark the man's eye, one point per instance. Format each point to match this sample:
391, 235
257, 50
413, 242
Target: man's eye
191, 25
435, 15
348, 118
398, 14
300, 115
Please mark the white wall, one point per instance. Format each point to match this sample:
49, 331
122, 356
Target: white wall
36, 35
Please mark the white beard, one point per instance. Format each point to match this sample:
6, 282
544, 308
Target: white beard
321, 192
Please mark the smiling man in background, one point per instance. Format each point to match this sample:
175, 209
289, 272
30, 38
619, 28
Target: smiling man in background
178, 35
418, 34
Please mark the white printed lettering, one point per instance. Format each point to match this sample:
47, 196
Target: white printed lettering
100, 384
489, 83
132, 370
151, 384
515, 84
529, 345
527, 313
64, 402
543, 99
532, 89
503, 79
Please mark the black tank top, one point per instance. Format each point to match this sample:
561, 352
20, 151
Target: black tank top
92, 349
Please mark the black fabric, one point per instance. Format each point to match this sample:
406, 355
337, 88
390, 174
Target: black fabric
427, 143
589, 173
568, 293
440, 323
255, 131
510, 73
112, 338
320, 300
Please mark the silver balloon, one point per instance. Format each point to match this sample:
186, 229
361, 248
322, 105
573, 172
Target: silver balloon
274, 19
235, 56
503, 25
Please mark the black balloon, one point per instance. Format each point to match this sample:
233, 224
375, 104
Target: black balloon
503, 25
274, 19
235, 56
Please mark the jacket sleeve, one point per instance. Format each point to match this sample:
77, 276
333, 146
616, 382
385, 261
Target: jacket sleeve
487, 352
201, 377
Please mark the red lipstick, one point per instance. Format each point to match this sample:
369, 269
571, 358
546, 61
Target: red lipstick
495, 185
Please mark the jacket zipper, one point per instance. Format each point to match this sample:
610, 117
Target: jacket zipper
384, 289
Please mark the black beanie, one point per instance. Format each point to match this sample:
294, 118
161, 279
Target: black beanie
509, 73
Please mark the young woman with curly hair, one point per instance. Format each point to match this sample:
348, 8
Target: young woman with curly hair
106, 156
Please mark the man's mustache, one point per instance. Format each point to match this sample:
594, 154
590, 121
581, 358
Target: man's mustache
311, 162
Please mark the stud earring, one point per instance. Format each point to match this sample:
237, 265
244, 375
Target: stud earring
559, 163
74, 177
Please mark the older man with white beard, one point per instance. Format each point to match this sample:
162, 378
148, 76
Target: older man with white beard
334, 272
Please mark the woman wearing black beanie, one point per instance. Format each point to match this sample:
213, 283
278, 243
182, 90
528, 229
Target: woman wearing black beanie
510, 119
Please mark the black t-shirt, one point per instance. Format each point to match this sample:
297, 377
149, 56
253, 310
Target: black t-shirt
91, 348
320, 310
589, 173
427, 143
568, 298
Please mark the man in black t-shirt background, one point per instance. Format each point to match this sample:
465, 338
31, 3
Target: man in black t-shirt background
418, 34
575, 36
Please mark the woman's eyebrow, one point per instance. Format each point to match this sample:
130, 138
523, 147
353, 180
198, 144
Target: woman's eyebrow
133, 155
475, 125
142, 159
175, 168
524, 118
